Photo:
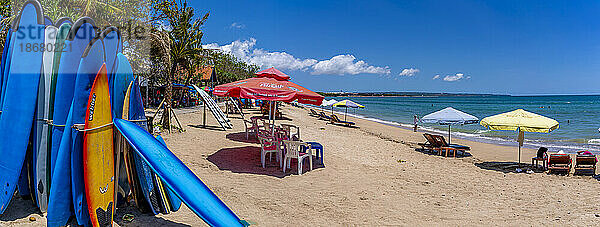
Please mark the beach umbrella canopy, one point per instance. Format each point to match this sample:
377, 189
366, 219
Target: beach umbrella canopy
268, 89
273, 73
520, 121
449, 116
328, 102
347, 103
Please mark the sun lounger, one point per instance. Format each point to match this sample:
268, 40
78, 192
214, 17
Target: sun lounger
585, 164
335, 120
431, 143
313, 113
559, 163
444, 146
324, 116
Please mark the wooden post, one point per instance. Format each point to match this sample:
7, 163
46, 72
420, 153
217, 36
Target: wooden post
204, 113
177, 120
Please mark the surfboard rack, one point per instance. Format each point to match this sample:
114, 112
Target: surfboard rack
81, 127
51, 123
214, 109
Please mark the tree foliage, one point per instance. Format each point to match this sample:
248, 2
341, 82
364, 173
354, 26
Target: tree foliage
229, 68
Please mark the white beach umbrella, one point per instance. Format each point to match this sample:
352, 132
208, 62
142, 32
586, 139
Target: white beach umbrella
449, 116
329, 103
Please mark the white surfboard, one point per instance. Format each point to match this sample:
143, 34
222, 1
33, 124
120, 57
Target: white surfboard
41, 145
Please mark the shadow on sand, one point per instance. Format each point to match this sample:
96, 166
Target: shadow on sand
241, 137
209, 127
247, 160
19, 208
507, 167
141, 219
459, 154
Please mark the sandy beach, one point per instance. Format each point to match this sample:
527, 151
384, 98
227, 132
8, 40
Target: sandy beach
372, 176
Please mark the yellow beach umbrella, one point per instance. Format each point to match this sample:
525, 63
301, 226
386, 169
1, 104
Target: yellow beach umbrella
520, 121
347, 103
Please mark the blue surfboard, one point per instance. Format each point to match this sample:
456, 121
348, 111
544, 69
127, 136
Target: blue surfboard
174, 201
178, 177
72, 140
60, 200
123, 77
62, 21
145, 175
112, 42
20, 96
4, 63
127, 174
48, 21
7, 65
23, 182
63, 32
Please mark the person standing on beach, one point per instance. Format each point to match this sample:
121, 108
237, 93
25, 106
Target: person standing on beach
416, 120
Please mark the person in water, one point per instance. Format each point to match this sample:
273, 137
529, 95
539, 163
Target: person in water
416, 121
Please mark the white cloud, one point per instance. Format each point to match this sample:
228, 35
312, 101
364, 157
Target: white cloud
237, 25
456, 77
409, 72
436, 77
346, 64
339, 65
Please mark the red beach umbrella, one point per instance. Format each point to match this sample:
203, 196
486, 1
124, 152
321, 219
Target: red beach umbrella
273, 73
268, 89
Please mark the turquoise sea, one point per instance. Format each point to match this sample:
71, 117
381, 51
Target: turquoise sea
578, 116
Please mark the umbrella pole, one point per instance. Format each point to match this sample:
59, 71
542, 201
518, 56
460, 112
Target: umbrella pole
519, 155
449, 134
270, 109
346, 114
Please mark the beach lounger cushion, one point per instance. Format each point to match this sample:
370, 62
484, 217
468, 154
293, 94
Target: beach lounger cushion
559, 162
324, 116
431, 143
585, 163
443, 142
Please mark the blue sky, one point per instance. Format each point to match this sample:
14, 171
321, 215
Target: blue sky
503, 47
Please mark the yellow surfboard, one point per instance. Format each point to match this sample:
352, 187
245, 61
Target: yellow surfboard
132, 176
98, 157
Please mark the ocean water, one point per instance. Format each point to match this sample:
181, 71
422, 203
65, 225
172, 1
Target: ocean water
578, 117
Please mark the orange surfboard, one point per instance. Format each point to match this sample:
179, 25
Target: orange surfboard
98, 156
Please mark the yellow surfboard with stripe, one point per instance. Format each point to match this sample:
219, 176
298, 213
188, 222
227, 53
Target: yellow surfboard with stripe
98, 157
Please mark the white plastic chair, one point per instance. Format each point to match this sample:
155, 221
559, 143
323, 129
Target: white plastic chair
268, 145
297, 150
250, 128
289, 131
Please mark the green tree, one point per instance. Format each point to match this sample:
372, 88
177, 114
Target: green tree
185, 33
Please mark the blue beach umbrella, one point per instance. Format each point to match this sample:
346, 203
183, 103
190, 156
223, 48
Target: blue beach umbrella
449, 116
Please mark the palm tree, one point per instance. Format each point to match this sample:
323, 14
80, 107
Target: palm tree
184, 37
